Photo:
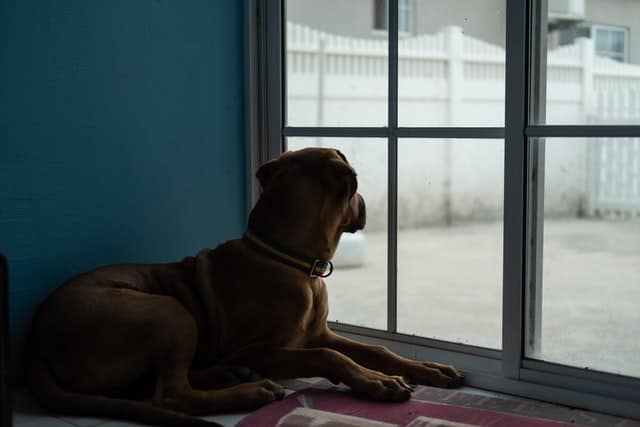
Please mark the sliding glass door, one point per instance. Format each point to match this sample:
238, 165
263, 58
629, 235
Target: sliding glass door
584, 297
498, 151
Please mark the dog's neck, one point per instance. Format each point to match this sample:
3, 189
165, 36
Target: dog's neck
313, 235
314, 267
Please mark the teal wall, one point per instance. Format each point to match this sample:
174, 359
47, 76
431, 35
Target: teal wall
121, 136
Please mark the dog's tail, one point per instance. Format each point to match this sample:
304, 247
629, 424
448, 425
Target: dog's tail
53, 397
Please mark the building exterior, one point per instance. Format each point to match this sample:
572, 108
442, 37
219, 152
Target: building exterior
451, 73
613, 24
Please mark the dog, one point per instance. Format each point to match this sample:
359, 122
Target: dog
164, 343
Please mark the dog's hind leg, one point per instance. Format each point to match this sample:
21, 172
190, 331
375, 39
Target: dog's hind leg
174, 350
221, 377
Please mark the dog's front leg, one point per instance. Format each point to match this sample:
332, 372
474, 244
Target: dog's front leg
381, 359
285, 363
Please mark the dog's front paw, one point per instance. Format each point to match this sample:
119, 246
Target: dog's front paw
378, 386
258, 393
435, 374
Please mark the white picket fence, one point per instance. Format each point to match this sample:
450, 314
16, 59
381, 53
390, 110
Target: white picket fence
609, 94
449, 78
614, 178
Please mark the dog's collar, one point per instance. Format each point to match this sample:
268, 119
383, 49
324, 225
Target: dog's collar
313, 267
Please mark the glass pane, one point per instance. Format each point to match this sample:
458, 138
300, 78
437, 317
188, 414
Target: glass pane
450, 201
601, 39
337, 60
590, 295
592, 69
617, 41
358, 287
451, 64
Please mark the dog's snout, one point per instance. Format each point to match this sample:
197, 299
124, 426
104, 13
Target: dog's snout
362, 213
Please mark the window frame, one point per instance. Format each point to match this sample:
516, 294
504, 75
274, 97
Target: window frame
612, 28
506, 370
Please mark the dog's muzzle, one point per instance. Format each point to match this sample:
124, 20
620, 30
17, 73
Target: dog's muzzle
361, 219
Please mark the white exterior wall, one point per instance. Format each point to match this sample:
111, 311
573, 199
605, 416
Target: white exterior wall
449, 79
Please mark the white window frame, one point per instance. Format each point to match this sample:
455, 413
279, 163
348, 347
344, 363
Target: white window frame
612, 28
506, 370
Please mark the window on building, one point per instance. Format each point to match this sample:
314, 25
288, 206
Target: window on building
611, 42
380, 15
404, 12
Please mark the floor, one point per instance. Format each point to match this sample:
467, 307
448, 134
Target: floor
28, 414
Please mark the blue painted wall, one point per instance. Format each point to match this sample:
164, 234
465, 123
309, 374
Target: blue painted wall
121, 136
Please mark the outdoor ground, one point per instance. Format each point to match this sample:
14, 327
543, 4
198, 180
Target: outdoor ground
450, 287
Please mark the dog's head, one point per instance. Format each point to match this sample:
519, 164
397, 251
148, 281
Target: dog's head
313, 187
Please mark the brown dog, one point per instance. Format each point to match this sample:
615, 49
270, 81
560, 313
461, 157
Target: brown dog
161, 343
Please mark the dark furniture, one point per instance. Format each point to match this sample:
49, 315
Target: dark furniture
5, 392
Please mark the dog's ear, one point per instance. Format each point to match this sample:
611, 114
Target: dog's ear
345, 178
268, 171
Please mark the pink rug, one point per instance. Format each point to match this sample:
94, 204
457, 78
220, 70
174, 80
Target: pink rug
325, 402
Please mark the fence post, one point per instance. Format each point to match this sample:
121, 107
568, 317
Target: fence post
454, 43
322, 47
455, 75
587, 57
